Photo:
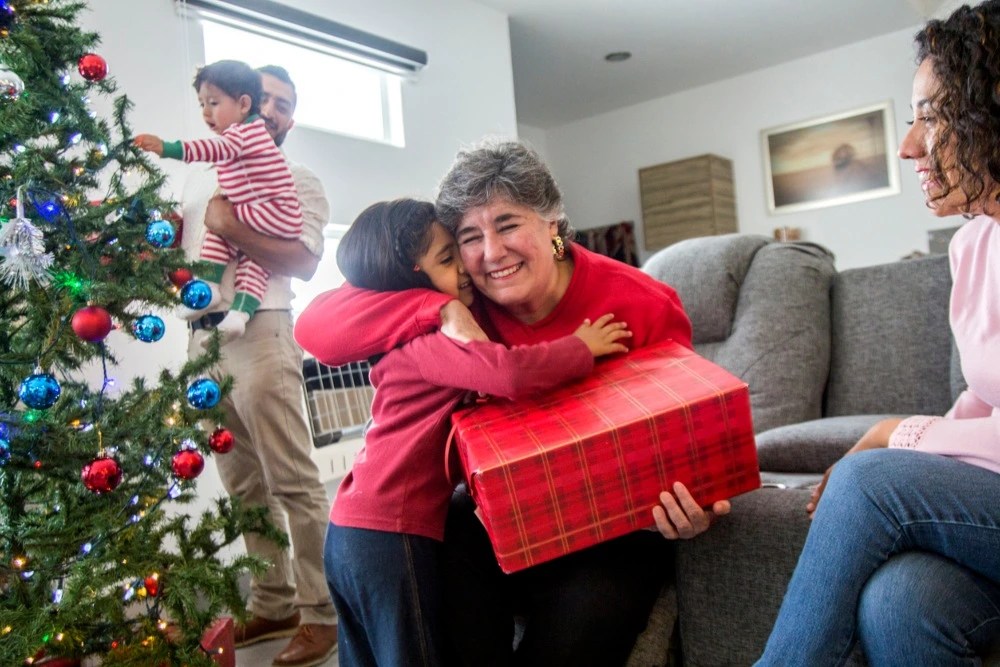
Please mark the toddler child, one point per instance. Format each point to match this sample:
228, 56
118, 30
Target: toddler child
252, 174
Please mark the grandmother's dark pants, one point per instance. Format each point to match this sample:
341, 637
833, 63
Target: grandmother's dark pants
586, 608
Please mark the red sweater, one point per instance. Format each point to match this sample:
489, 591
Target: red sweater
350, 324
398, 483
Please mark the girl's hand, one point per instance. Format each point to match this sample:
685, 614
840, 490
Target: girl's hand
458, 323
603, 335
149, 143
876, 437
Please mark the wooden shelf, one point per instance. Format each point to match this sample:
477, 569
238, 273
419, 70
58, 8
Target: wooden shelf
687, 198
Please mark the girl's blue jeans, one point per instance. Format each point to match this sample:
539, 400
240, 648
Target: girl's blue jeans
387, 590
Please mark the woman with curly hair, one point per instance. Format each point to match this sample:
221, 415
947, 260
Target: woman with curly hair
903, 553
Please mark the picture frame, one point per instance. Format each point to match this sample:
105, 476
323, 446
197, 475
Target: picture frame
837, 159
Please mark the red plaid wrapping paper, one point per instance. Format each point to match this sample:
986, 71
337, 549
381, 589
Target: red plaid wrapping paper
586, 463
218, 641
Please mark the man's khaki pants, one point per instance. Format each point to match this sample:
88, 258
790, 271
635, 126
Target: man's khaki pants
270, 465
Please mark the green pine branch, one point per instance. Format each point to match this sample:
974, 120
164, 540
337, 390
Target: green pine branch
73, 563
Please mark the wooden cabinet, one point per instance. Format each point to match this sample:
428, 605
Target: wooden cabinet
687, 198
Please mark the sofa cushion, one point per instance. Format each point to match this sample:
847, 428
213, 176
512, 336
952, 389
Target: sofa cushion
812, 446
707, 273
761, 310
884, 318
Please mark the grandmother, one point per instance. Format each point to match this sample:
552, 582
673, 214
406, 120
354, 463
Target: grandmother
506, 212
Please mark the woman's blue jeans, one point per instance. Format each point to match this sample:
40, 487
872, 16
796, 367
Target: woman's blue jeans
387, 590
904, 555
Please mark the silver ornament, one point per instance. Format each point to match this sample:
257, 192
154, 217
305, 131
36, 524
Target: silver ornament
22, 251
11, 85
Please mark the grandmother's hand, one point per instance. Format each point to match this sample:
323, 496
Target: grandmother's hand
682, 517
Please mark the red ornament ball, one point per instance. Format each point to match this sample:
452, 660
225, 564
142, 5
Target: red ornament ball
152, 584
221, 441
180, 277
188, 463
92, 67
102, 475
91, 323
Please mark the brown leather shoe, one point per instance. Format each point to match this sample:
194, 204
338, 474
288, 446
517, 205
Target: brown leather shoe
312, 645
259, 629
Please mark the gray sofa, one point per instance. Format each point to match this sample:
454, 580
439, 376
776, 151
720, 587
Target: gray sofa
826, 354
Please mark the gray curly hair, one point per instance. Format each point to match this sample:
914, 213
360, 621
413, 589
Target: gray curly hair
500, 169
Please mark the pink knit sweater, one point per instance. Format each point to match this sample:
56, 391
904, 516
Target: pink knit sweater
971, 430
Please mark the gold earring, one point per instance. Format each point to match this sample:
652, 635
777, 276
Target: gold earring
558, 248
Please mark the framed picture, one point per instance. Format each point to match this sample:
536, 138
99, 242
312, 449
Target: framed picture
836, 159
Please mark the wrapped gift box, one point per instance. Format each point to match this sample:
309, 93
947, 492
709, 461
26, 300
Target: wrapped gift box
218, 641
586, 463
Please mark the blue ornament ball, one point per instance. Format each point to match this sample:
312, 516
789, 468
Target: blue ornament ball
196, 294
7, 16
4, 451
160, 233
39, 391
204, 394
149, 328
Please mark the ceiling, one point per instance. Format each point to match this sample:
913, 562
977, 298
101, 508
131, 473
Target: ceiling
558, 46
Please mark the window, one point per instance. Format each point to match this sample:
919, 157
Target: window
348, 80
334, 95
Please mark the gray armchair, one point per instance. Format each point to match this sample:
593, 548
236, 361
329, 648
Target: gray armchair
825, 355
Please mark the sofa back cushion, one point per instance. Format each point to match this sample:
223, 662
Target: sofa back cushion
761, 310
892, 344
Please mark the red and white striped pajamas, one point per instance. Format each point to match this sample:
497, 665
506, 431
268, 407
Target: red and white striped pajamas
254, 176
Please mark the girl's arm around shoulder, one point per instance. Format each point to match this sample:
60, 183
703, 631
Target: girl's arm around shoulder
493, 369
351, 324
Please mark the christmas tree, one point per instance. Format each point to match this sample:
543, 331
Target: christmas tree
91, 560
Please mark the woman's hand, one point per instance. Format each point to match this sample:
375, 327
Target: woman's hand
458, 323
149, 143
876, 437
682, 517
603, 335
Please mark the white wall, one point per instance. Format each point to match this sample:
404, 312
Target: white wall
465, 92
536, 137
596, 160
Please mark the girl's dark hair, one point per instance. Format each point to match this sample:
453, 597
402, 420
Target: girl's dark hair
384, 243
234, 78
964, 51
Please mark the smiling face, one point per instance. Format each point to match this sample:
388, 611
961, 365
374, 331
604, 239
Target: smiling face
443, 266
219, 110
507, 250
934, 162
277, 104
